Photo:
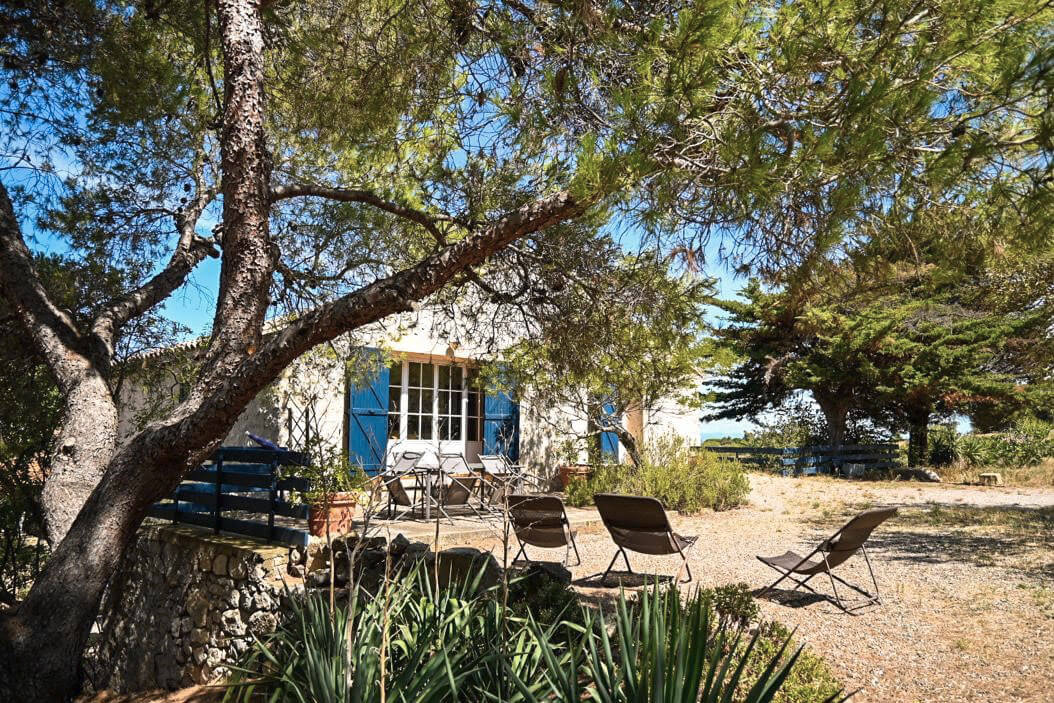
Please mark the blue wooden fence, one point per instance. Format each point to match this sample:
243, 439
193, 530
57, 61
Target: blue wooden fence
811, 460
244, 480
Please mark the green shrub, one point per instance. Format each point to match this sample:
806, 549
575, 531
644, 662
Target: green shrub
810, 680
942, 445
408, 643
547, 600
683, 479
735, 604
1027, 444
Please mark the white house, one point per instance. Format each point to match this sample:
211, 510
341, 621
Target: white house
401, 385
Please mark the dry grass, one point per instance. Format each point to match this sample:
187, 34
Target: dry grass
1037, 476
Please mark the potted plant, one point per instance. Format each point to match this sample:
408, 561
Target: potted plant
571, 468
336, 486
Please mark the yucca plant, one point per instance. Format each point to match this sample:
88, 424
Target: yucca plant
413, 642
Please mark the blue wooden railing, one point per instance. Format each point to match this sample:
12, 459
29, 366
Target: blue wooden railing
810, 460
246, 480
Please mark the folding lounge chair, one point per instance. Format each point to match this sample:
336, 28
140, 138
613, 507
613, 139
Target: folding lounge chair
639, 524
541, 521
833, 551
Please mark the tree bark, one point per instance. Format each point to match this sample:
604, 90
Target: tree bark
918, 435
629, 443
835, 410
83, 445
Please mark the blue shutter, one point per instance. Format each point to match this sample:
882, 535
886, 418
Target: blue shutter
501, 425
368, 418
609, 440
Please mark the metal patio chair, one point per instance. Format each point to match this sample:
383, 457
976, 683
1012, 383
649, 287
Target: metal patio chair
456, 485
833, 551
640, 524
400, 502
507, 477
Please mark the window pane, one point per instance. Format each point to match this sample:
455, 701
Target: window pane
426, 401
444, 428
426, 375
395, 373
415, 374
455, 427
413, 398
393, 426
444, 402
393, 398
413, 427
426, 427
455, 377
444, 377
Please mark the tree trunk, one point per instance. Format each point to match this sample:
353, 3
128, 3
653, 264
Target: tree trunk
835, 409
918, 436
42, 639
629, 442
82, 447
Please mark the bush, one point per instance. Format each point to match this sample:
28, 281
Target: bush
413, 644
942, 443
1027, 444
684, 480
547, 600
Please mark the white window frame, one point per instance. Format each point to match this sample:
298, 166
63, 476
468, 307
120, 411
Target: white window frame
463, 444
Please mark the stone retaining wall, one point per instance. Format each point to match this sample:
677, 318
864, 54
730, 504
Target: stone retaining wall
186, 603
183, 608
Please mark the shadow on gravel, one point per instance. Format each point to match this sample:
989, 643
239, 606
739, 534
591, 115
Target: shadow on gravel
792, 599
1029, 554
622, 579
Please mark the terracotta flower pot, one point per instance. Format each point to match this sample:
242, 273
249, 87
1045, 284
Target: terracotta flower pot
339, 512
572, 471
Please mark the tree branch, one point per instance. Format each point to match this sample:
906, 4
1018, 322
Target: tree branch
190, 250
52, 330
349, 195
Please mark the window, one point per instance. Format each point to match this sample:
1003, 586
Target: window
420, 396
448, 411
433, 402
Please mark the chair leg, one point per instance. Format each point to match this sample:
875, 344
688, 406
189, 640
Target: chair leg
871, 571
785, 575
571, 539
608, 570
522, 551
830, 577
684, 564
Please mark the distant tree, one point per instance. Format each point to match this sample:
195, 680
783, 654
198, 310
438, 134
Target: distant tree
901, 341
795, 340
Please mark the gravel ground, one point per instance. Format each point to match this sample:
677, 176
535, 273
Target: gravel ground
967, 613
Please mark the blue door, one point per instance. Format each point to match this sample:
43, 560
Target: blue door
501, 425
368, 417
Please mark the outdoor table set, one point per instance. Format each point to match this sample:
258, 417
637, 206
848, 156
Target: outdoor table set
420, 482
